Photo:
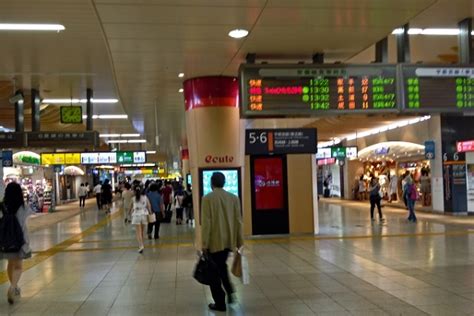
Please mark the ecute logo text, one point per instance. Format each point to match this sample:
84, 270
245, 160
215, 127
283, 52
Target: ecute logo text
219, 159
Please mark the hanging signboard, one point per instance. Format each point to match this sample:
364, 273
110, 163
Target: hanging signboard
310, 90
438, 88
281, 141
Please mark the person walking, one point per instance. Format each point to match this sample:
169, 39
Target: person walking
127, 197
82, 195
179, 204
188, 204
14, 205
411, 196
362, 188
404, 182
375, 198
107, 196
98, 194
157, 206
140, 210
221, 234
167, 193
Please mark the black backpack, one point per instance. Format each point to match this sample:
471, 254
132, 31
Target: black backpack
11, 233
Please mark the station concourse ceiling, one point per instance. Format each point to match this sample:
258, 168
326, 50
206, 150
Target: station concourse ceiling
133, 50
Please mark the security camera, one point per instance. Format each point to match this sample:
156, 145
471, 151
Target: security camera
16, 98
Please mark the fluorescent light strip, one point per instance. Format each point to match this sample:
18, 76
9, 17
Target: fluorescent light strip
126, 141
130, 135
384, 128
108, 116
31, 27
151, 152
77, 101
430, 31
109, 135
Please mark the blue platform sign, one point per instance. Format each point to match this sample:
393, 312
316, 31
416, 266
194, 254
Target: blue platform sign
7, 158
429, 149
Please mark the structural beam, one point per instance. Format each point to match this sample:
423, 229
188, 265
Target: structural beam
19, 112
381, 51
90, 110
403, 45
35, 111
465, 42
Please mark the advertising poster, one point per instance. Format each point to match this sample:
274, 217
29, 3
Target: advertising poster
268, 177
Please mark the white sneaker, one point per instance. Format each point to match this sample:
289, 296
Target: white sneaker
140, 250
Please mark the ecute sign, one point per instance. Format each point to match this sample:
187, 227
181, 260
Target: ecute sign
211, 159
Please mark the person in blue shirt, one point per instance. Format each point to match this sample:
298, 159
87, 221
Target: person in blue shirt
157, 206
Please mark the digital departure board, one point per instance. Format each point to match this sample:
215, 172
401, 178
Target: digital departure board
438, 88
311, 90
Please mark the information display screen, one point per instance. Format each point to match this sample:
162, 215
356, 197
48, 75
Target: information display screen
438, 89
305, 90
232, 180
268, 183
108, 157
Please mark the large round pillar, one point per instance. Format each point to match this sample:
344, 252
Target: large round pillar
214, 130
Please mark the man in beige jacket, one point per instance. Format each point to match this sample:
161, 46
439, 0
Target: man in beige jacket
221, 233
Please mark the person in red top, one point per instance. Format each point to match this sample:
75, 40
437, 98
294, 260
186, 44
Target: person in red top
167, 193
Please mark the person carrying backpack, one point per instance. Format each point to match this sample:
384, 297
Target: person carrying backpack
14, 240
411, 196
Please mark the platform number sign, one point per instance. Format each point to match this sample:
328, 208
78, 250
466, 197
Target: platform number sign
280, 141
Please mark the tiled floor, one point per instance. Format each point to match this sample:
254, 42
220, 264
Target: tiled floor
88, 265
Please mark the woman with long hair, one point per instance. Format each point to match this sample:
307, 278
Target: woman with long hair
14, 205
140, 210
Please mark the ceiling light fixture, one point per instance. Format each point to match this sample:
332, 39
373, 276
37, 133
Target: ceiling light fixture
429, 31
151, 152
181, 75
238, 33
181, 90
107, 116
130, 135
77, 101
136, 141
117, 141
109, 135
31, 27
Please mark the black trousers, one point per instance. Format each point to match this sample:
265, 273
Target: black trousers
168, 207
373, 202
218, 294
157, 229
82, 201
98, 198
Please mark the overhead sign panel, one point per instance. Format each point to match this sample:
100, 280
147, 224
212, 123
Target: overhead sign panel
438, 88
307, 90
71, 114
281, 141
60, 139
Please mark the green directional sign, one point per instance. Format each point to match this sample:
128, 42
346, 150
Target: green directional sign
125, 157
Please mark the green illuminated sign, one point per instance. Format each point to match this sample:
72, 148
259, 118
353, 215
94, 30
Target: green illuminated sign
125, 157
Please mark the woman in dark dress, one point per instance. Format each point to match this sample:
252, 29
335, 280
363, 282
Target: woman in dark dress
107, 196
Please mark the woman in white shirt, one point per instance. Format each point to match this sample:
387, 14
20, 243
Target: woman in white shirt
140, 210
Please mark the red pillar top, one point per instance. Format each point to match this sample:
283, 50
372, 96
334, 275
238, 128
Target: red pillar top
211, 91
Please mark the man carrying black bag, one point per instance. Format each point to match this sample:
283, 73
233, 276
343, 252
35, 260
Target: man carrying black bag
221, 233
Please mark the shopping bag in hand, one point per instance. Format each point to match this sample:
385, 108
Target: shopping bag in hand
205, 271
237, 264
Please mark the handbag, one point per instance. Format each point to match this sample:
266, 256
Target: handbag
151, 218
237, 265
205, 271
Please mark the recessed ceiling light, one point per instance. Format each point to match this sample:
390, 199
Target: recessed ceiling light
238, 33
181, 75
180, 90
31, 27
77, 101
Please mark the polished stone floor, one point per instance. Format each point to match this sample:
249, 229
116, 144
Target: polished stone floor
88, 265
